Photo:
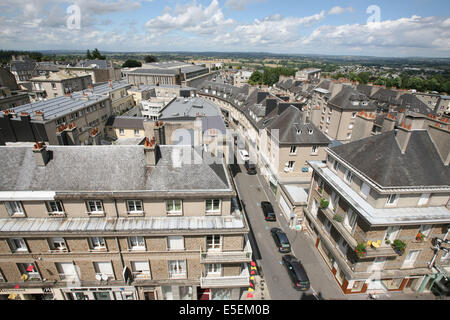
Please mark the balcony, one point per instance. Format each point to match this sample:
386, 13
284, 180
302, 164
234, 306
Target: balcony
241, 280
228, 256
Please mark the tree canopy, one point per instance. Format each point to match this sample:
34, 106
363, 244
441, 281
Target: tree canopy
130, 63
150, 59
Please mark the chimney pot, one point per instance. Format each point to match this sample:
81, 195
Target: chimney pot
41, 155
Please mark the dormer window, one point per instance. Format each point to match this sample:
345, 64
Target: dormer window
299, 131
310, 131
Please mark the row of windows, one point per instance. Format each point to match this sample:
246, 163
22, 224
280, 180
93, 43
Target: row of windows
104, 270
95, 207
365, 189
293, 150
135, 243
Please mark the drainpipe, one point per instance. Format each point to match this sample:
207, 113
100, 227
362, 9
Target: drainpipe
117, 239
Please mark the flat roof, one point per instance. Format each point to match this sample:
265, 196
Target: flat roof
189, 107
297, 193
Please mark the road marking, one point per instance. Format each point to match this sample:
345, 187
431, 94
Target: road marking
315, 293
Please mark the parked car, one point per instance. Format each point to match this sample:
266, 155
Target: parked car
269, 213
281, 240
244, 155
296, 272
251, 168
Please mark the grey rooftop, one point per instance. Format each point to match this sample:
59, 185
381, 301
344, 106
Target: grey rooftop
86, 169
189, 108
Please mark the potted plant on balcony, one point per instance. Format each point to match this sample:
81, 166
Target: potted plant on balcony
399, 247
420, 237
338, 218
361, 250
324, 203
319, 190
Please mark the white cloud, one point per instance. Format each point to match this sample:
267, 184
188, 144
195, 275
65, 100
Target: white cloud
190, 18
240, 5
340, 10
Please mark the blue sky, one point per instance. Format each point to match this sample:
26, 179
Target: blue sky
405, 28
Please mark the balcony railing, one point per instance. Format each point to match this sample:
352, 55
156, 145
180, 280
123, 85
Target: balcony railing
228, 256
241, 280
142, 275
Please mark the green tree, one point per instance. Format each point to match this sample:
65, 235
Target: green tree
131, 64
96, 55
363, 77
88, 55
150, 59
256, 78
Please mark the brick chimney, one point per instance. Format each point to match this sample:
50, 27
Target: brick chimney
159, 133
39, 116
72, 134
95, 137
403, 135
41, 155
152, 152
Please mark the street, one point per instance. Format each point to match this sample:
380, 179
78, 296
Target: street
252, 190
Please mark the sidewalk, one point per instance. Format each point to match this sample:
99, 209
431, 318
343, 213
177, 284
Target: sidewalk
260, 292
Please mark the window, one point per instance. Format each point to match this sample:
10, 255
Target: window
177, 269
104, 269
349, 176
350, 219
365, 190
424, 198
391, 234
336, 165
58, 244
351, 126
2, 279
213, 205
293, 150
141, 269
29, 269
426, 229
14, 208
134, 206
67, 271
315, 149
349, 135
137, 243
214, 243
95, 207
444, 258
410, 258
53, 85
213, 269
121, 131
175, 242
136, 132
55, 208
353, 115
97, 243
18, 245
174, 206
291, 164
392, 199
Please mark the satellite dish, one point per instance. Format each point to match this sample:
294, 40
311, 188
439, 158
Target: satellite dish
98, 277
104, 277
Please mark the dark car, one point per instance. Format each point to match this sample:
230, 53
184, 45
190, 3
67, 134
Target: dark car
281, 240
269, 213
251, 168
296, 272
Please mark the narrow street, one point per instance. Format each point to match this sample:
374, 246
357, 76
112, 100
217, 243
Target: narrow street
252, 190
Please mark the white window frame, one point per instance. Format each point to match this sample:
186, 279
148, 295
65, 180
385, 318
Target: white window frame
213, 209
335, 165
99, 271
134, 206
140, 244
98, 204
392, 200
349, 176
293, 151
31, 274
141, 273
57, 248
425, 229
138, 132
350, 219
424, 199
291, 165
15, 208
55, 204
213, 269
177, 269
18, 245
409, 263
214, 245
177, 243
173, 204
63, 275
121, 131
93, 241
391, 233
315, 150
364, 187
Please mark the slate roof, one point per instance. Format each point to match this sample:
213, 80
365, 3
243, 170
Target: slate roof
100, 64
109, 168
380, 159
289, 122
126, 122
19, 65
343, 100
